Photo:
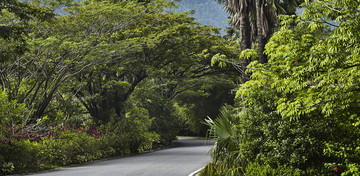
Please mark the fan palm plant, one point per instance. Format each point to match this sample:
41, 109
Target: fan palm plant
226, 151
222, 130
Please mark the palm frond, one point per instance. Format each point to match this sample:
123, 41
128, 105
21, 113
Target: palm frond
223, 131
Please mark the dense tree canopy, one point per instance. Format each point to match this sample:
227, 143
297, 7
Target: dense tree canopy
104, 50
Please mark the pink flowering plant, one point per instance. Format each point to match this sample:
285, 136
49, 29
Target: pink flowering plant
66, 144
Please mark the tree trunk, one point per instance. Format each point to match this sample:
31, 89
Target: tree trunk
245, 29
47, 96
260, 30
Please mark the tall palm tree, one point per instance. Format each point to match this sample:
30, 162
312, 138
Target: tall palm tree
266, 20
241, 20
256, 19
264, 23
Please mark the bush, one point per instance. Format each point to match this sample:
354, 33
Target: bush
70, 145
267, 144
70, 148
273, 141
258, 169
11, 113
20, 156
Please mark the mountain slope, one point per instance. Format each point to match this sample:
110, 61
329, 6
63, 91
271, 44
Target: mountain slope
207, 12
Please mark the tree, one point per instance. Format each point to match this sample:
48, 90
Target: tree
266, 20
104, 56
257, 19
23, 12
14, 23
241, 20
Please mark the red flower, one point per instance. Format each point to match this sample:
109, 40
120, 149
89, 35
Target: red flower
97, 136
295, 62
48, 133
336, 169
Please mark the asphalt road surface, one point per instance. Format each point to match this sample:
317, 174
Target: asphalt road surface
185, 157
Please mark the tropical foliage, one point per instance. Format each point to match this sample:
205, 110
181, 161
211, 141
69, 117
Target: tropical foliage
298, 115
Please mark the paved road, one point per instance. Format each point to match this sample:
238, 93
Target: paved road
187, 156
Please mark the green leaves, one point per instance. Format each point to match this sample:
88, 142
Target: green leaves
312, 73
11, 113
220, 59
223, 127
299, 112
308, 66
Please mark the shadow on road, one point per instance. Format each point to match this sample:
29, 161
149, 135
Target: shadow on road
192, 142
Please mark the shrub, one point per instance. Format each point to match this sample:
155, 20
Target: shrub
258, 169
20, 156
70, 145
11, 113
266, 144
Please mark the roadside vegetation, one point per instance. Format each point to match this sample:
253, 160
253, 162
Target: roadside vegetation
298, 112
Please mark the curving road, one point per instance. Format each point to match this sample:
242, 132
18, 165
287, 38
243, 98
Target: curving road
187, 155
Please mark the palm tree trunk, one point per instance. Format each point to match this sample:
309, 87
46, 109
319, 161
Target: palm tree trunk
245, 29
260, 31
